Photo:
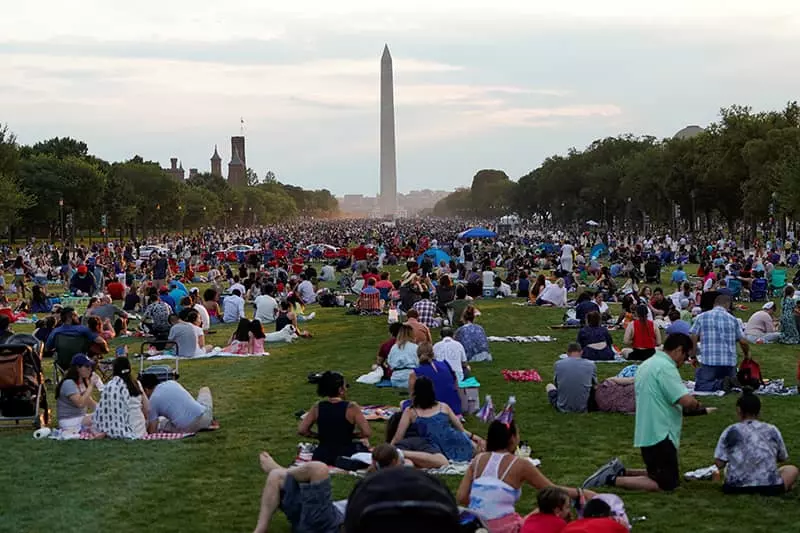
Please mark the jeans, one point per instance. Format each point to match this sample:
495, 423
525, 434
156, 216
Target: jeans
710, 378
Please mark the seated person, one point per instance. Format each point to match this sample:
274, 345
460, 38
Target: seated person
40, 303
678, 276
676, 324
233, 307
188, 335
501, 288
402, 358
660, 305
170, 400
287, 317
605, 313
553, 295
106, 311
595, 340
444, 379
642, 335
82, 283
473, 338
369, 301
381, 359
74, 395
155, 317
574, 379
749, 452
597, 518
584, 305
336, 420
493, 482
553, 508
70, 326
437, 422
122, 410
760, 328
303, 492
426, 311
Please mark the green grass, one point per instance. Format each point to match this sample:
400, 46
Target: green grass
212, 482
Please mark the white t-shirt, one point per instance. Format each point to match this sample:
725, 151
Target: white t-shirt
204, 316
451, 352
239, 286
306, 292
265, 309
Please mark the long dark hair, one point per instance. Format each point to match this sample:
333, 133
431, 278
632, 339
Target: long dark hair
500, 435
122, 370
37, 294
242, 332
641, 314
424, 394
257, 329
71, 373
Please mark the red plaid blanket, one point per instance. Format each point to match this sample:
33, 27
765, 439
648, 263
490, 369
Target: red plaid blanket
85, 435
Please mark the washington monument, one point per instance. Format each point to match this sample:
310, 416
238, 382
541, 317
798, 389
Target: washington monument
388, 196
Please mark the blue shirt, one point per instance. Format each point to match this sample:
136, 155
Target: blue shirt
679, 276
679, 326
169, 300
718, 331
71, 330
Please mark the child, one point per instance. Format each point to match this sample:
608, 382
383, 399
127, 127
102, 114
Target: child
240, 340
554, 508
257, 336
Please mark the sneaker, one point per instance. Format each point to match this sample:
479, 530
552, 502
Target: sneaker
602, 476
729, 383
310, 316
350, 465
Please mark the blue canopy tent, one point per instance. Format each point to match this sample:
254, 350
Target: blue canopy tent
477, 233
436, 255
599, 250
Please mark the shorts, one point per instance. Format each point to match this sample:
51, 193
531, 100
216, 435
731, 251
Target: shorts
309, 507
661, 461
762, 490
417, 444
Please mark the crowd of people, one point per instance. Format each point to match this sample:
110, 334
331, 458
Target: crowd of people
274, 283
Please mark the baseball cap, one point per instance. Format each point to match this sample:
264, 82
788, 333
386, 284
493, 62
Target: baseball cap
80, 359
163, 288
768, 305
82, 269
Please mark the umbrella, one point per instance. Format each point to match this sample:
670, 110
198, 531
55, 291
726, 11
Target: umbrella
592, 223
477, 233
437, 255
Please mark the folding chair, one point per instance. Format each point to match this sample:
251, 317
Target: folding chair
66, 346
735, 286
778, 281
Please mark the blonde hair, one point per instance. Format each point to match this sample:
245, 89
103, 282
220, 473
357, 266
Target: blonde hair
406, 334
425, 352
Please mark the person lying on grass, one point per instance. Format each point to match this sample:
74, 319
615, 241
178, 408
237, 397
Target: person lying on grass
493, 482
336, 420
749, 452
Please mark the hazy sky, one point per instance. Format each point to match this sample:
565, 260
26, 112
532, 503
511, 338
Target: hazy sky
478, 84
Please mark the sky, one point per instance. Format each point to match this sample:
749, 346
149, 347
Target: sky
478, 84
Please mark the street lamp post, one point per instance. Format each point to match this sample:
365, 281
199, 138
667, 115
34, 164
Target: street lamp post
61, 217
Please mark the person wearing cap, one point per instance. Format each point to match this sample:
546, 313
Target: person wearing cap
74, 395
82, 284
303, 492
760, 329
164, 296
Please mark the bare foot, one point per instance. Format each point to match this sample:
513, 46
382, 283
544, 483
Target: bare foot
268, 464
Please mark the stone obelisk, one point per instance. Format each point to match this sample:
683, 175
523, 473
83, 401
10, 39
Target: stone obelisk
388, 196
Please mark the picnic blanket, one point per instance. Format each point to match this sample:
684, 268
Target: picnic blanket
379, 412
523, 338
775, 387
522, 375
616, 360
58, 434
209, 355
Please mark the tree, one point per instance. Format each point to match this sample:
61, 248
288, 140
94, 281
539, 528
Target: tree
252, 177
270, 177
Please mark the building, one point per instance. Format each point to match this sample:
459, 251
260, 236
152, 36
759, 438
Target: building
175, 170
237, 146
358, 205
216, 163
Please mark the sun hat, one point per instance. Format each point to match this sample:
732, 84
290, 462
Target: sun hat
767, 306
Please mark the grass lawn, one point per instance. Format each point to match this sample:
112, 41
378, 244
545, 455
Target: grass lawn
212, 482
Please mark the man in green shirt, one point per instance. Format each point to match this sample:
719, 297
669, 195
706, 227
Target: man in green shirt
661, 402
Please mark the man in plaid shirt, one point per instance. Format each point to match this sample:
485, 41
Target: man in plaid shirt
427, 311
718, 331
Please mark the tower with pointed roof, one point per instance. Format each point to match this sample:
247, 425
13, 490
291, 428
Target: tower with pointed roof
388, 178
216, 163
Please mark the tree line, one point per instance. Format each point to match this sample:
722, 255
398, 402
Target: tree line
741, 171
57, 185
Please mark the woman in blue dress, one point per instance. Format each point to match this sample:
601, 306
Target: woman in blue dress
402, 357
437, 423
440, 373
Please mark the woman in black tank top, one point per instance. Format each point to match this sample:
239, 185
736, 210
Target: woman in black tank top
336, 420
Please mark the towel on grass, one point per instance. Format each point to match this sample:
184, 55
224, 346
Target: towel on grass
616, 359
523, 338
209, 355
522, 375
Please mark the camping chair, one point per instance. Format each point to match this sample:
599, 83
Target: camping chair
778, 281
22, 393
735, 286
66, 346
758, 290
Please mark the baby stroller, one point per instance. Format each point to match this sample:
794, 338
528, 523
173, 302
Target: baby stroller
22, 391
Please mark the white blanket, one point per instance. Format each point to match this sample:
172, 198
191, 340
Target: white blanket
523, 339
209, 355
616, 360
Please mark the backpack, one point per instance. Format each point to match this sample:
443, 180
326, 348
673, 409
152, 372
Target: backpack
326, 299
749, 374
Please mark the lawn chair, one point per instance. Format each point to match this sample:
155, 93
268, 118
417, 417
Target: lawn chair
758, 290
778, 282
22, 392
66, 346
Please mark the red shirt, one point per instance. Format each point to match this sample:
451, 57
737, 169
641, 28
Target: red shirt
384, 284
116, 290
369, 275
386, 347
543, 523
595, 525
360, 253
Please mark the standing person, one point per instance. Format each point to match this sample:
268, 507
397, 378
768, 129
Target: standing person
749, 452
718, 332
642, 335
567, 253
160, 271
661, 401
451, 352
574, 378
789, 332
760, 328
